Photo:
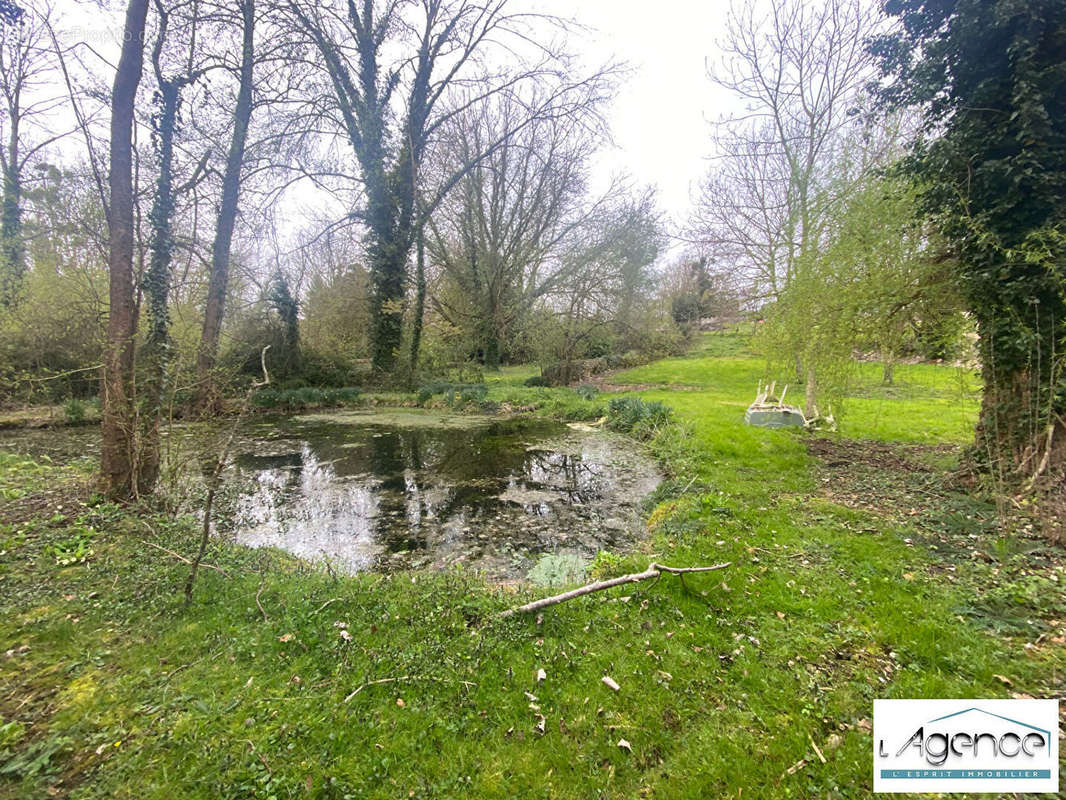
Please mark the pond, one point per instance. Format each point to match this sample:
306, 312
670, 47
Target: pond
402, 490
412, 489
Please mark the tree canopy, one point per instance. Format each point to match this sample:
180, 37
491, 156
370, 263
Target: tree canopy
990, 79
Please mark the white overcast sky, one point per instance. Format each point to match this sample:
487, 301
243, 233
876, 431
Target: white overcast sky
660, 119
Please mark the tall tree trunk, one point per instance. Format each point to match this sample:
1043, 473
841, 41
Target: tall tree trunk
117, 423
157, 290
12, 250
810, 404
888, 372
420, 299
1021, 431
209, 399
389, 251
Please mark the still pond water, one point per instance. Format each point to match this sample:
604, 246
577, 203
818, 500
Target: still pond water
401, 490
408, 489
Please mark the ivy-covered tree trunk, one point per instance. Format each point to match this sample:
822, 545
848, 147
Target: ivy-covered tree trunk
1021, 433
154, 357
491, 349
12, 249
420, 300
388, 280
989, 77
117, 423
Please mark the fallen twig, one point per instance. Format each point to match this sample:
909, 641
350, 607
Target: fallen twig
653, 571
259, 755
260, 605
404, 679
182, 558
323, 607
816, 750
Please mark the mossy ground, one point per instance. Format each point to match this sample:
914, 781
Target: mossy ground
859, 571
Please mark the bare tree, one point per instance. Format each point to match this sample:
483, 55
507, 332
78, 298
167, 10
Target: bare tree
27, 64
800, 68
157, 279
214, 310
605, 268
393, 67
742, 211
499, 238
117, 428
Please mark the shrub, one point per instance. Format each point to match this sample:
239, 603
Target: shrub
586, 391
455, 394
536, 380
303, 397
74, 410
632, 414
462, 395
266, 399
346, 395
606, 565
557, 569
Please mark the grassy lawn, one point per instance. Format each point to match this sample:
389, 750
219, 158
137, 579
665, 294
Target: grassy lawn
858, 572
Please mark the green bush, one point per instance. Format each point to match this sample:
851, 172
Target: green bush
269, 399
536, 380
586, 391
346, 395
74, 409
632, 414
606, 565
455, 395
557, 569
427, 390
266, 399
458, 396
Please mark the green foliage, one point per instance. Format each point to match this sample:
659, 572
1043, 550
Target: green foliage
269, 399
606, 565
75, 548
252, 689
557, 569
11, 734
455, 395
586, 391
535, 380
870, 284
56, 328
336, 318
634, 415
988, 77
74, 410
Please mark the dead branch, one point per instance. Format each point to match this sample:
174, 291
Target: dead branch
183, 559
406, 679
653, 571
260, 605
216, 475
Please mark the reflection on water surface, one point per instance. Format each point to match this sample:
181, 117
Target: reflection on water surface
492, 497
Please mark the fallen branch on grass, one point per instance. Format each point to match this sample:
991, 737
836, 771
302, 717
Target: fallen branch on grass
406, 679
183, 559
653, 571
260, 605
